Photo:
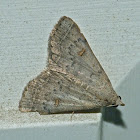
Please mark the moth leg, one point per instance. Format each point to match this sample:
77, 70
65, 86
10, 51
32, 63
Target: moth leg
71, 115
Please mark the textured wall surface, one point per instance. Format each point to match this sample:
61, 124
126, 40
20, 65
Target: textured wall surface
111, 27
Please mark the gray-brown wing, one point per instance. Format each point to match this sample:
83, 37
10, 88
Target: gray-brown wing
74, 79
70, 53
53, 92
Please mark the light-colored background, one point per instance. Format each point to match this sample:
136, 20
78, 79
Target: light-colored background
112, 28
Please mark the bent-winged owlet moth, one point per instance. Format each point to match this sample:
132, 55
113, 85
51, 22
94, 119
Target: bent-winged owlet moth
74, 80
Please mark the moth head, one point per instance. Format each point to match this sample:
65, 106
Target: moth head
118, 102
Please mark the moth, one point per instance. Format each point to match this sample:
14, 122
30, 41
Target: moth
74, 80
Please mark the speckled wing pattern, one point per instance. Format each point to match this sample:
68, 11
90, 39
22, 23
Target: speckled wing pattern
74, 79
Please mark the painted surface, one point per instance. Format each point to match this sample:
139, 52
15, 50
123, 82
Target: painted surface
111, 27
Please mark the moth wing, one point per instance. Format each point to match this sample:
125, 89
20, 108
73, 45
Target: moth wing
70, 52
69, 49
53, 92
74, 79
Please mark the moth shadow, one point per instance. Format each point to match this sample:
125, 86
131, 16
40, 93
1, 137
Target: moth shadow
113, 115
